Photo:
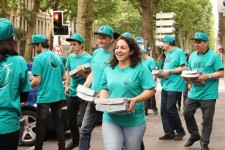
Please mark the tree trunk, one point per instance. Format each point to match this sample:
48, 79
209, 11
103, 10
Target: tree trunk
85, 22
147, 23
31, 28
3, 8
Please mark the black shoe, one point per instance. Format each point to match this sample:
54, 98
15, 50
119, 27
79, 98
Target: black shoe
191, 141
146, 112
155, 111
166, 137
179, 136
204, 147
71, 145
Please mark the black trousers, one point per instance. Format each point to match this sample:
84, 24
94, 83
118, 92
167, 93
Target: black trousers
9, 141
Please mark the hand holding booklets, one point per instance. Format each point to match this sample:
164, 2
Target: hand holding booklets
75, 73
157, 72
114, 105
192, 77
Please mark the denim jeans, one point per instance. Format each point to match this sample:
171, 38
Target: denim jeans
208, 110
169, 114
9, 141
42, 112
74, 104
91, 118
117, 137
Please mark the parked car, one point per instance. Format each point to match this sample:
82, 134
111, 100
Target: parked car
28, 135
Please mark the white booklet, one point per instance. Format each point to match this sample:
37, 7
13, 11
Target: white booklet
111, 101
117, 108
86, 90
85, 97
157, 72
192, 77
73, 73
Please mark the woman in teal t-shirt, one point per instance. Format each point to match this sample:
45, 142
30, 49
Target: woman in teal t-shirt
126, 77
14, 87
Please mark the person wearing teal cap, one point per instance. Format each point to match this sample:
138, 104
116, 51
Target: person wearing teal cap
14, 87
75, 60
135, 83
172, 85
204, 95
48, 71
151, 64
100, 59
127, 34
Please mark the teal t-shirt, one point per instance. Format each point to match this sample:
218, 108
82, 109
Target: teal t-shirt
63, 59
174, 59
14, 79
127, 83
48, 65
150, 63
207, 63
100, 60
72, 63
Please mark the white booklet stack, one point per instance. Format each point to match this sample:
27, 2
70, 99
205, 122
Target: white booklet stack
114, 105
157, 72
76, 76
192, 76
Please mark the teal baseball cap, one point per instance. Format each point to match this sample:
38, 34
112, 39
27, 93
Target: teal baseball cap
127, 34
144, 51
6, 29
169, 39
38, 38
105, 29
186, 52
201, 36
76, 37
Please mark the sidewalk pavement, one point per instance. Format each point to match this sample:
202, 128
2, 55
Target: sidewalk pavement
154, 130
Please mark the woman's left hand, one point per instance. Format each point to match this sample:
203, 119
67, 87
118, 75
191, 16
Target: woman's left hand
132, 104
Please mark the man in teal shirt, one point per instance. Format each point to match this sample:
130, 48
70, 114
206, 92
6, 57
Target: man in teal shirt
174, 64
14, 87
204, 95
49, 72
100, 59
75, 60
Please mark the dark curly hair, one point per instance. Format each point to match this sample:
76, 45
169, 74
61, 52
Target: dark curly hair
7, 47
135, 57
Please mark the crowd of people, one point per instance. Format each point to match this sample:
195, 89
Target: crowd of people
118, 57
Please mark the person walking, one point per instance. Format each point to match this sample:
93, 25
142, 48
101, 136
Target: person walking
48, 71
172, 83
137, 84
75, 60
204, 95
14, 87
151, 64
100, 58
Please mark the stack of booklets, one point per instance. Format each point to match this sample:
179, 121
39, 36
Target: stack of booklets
192, 76
157, 72
76, 76
114, 105
31, 76
85, 93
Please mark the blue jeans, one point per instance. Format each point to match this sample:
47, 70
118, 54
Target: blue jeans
74, 104
170, 117
42, 112
91, 118
117, 137
208, 110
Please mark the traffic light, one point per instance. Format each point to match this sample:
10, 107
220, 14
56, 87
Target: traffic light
221, 50
58, 27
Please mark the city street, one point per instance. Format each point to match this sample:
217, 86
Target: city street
154, 130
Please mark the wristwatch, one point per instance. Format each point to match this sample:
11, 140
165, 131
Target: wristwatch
210, 76
170, 72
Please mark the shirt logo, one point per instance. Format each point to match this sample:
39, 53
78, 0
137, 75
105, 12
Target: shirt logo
53, 61
5, 74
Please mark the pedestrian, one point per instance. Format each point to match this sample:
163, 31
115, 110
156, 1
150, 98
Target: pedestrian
204, 95
172, 83
100, 58
136, 83
14, 87
75, 60
49, 72
151, 64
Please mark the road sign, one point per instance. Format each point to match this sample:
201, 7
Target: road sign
165, 15
162, 36
165, 22
139, 40
58, 50
165, 30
